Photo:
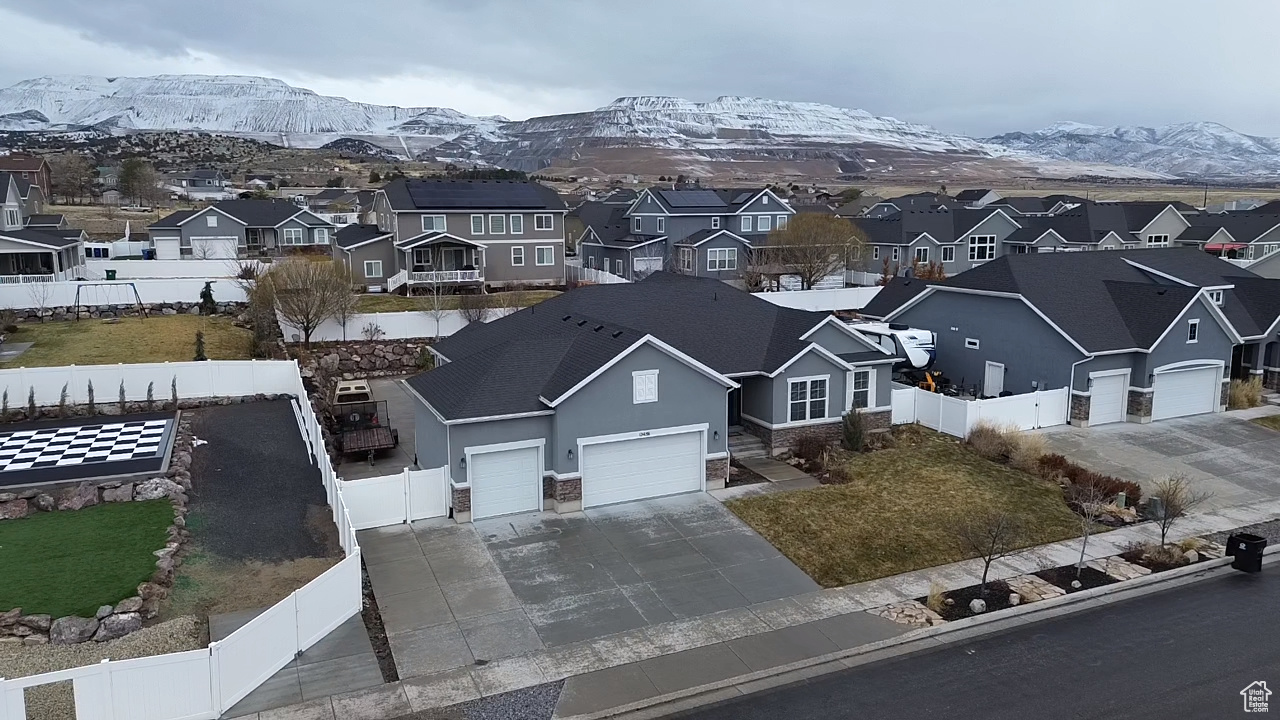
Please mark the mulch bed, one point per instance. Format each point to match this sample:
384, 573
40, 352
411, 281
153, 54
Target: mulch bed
1138, 557
1063, 576
377, 631
743, 476
997, 599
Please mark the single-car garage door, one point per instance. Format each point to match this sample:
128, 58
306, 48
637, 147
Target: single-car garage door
645, 467
1108, 399
505, 482
1178, 393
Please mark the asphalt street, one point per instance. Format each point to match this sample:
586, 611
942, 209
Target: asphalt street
1184, 653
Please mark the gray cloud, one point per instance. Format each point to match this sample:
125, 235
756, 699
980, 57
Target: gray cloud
977, 68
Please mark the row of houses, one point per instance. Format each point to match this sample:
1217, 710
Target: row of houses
35, 246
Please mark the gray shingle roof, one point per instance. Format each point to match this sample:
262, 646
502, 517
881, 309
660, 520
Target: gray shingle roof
48, 238
893, 296
259, 213
411, 194
172, 219
1245, 227
45, 220
355, 234
503, 366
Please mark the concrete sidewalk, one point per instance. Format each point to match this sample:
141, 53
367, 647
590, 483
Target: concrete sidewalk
640, 665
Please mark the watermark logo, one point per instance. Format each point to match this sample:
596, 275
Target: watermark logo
1255, 697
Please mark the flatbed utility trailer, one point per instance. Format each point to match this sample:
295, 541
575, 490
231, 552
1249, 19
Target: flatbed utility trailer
365, 427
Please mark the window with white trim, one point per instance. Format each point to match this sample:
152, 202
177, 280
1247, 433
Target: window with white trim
715, 223
982, 247
782, 222
686, 259
636, 225
644, 387
372, 269
972, 344
544, 255
807, 399
895, 253
922, 255
517, 255
1193, 331
722, 259
497, 224
662, 224
292, 236
422, 256
861, 389
1157, 241
875, 252
764, 223
517, 224
617, 267
543, 221
746, 223
948, 253
433, 223
1215, 296
211, 220
322, 236
477, 224
11, 217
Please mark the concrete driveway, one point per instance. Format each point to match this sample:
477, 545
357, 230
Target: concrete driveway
1223, 453
451, 595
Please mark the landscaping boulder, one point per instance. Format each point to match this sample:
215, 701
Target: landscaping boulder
13, 510
80, 496
124, 493
8, 497
129, 605
72, 630
36, 622
103, 611
977, 605
115, 626
149, 590
35, 639
20, 631
45, 502
10, 617
155, 488
1015, 599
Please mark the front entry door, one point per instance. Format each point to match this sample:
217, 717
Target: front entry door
735, 406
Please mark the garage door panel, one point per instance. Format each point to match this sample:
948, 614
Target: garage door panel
1108, 399
1181, 393
505, 482
641, 468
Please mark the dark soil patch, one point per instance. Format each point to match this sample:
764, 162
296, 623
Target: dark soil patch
377, 632
743, 476
1063, 577
997, 598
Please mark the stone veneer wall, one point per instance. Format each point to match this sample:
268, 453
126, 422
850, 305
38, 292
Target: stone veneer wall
876, 421
1271, 379
461, 500
717, 473
1139, 405
1224, 398
781, 439
370, 358
1080, 406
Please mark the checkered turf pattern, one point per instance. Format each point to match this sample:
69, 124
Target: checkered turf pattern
56, 447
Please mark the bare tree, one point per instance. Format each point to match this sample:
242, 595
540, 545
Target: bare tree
990, 535
307, 293
436, 302
1088, 501
41, 294
1176, 498
813, 246
72, 175
475, 307
344, 307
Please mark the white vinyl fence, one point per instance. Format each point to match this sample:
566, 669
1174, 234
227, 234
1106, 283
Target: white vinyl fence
394, 325
393, 499
578, 273
203, 684
854, 298
119, 292
160, 269
953, 416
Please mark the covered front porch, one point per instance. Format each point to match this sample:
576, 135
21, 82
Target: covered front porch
39, 266
436, 259
1257, 359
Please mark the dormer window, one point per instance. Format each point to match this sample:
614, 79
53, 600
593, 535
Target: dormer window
1215, 296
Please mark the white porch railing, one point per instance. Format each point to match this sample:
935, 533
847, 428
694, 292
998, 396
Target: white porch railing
21, 279
446, 276
395, 281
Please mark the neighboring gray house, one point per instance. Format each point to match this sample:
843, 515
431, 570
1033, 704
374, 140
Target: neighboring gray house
45, 251
701, 231
978, 197
367, 252
239, 229
614, 393
479, 233
1138, 335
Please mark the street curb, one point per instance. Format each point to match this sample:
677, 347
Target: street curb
916, 641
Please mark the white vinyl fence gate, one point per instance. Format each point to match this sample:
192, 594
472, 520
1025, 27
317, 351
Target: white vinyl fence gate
953, 416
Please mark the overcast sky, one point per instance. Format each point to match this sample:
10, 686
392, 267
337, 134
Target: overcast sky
978, 67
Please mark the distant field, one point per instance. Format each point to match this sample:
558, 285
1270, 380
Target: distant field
1191, 195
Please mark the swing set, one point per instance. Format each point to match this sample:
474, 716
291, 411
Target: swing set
114, 291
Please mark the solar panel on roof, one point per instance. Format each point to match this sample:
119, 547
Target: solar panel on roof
692, 198
742, 197
475, 195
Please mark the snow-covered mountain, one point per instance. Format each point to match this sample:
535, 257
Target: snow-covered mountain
1198, 149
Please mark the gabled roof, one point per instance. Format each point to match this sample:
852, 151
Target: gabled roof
435, 237
1244, 227
504, 366
1102, 301
259, 213
705, 201
355, 235
1271, 208
893, 296
18, 162
609, 226
172, 220
35, 221
47, 237
972, 195
697, 238
1023, 205
424, 195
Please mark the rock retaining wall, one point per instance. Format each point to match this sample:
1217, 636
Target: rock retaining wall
371, 358
68, 312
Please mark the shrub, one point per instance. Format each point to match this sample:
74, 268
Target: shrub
1054, 462
1245, 394
992, 442
812, 446
839, 475
936, 601
1027, 450
1106, 485
854, 431
1156, 557
1191, 543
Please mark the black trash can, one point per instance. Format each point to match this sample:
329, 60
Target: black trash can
111, 274
1246, 551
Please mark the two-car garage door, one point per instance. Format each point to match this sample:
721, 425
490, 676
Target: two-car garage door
643, 467
1178, 393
